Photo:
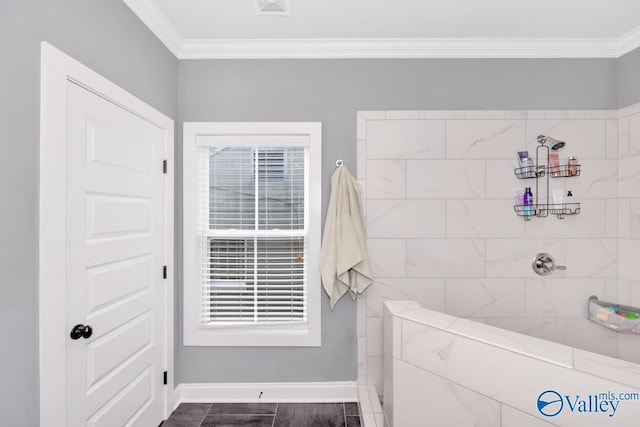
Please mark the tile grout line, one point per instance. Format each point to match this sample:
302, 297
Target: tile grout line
273, 423
205, 415
344, 413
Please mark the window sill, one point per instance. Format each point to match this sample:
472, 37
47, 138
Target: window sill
252, 337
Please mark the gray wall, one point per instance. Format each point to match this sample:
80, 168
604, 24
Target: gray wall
331, 91
629, 79
108, 37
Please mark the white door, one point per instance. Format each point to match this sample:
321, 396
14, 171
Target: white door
115, 253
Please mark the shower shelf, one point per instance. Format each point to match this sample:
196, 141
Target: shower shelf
561, 171
560, 210
619, 318
564, 171
529, 172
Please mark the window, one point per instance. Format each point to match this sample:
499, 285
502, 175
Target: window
252, 234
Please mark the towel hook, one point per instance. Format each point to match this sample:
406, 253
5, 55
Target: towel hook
339, 163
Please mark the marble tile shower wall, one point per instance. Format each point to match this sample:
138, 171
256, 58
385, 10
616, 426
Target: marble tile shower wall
629, 221
439, 194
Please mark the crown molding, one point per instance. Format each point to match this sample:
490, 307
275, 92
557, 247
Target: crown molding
629, 42
399, 48
155, 19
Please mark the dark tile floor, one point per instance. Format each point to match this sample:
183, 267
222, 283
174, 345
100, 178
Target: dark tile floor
265, 415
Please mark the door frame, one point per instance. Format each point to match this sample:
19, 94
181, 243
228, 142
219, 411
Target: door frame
57, 69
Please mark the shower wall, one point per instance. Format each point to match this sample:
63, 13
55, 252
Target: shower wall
629, 221
439, 194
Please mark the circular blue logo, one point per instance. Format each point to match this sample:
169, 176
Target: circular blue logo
550, 403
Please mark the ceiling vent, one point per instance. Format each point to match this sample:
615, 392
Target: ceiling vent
273, 7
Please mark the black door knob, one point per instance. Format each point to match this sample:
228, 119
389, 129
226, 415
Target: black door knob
81, 331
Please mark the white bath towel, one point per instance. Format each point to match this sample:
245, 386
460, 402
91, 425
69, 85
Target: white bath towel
344, 259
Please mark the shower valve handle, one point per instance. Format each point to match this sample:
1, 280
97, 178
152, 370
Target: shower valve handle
544, 264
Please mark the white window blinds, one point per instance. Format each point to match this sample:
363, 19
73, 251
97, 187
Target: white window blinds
253, 210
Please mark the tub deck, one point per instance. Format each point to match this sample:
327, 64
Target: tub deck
443, 370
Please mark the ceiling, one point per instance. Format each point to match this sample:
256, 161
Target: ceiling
395, 28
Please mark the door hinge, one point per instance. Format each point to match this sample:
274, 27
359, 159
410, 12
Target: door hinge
164, 166
164, 377
164, 271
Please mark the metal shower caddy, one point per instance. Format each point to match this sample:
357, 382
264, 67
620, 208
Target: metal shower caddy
542, 207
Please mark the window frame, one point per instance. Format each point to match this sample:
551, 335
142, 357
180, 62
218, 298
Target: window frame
276, 335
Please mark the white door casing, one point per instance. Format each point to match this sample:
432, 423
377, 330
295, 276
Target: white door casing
106, 231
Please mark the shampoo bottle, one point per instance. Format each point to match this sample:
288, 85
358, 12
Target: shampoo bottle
528, 202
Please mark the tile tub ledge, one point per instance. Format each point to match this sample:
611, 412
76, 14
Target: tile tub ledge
450, 356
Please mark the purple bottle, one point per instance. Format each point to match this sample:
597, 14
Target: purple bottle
528, 201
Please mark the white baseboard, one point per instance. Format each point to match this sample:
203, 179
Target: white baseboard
340, 391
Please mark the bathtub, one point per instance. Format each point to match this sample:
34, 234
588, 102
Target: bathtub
440, 370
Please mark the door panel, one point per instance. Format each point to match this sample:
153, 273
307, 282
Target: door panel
104, 142
127, 406
109, 215
115, 281
114, 348
115, 253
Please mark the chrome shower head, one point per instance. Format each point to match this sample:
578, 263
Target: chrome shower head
557, 145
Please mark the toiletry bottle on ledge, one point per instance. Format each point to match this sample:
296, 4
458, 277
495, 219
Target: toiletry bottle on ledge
528, 202
572, 164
